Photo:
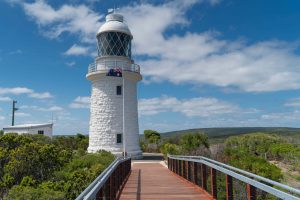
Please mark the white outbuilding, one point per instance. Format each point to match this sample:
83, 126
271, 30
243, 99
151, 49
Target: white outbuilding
42, 129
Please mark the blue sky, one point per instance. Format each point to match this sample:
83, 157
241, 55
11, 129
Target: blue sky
206, 63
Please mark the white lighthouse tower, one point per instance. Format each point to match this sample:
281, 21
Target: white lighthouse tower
114, 76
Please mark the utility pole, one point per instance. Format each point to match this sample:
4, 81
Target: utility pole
14, 109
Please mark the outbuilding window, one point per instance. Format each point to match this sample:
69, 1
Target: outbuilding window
119, 90
40, 132
119, 138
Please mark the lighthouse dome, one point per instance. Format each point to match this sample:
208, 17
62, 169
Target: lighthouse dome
114, 23
114, 37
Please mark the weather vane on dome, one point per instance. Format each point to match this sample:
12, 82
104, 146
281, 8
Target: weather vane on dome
113, 10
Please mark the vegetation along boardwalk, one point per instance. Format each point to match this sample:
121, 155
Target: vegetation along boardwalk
151, 180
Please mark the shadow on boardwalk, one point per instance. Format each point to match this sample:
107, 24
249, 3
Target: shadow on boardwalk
149, 179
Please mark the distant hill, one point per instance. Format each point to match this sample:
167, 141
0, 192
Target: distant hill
221, 133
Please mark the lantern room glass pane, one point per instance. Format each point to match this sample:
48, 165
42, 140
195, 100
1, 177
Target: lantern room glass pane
114, 44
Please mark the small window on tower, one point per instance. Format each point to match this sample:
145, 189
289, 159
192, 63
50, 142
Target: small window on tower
119, 138
119, 90
40, 132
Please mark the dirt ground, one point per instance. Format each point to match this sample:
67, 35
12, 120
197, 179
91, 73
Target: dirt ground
290, 175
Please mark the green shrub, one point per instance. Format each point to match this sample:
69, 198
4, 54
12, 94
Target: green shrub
171, 149
38, 167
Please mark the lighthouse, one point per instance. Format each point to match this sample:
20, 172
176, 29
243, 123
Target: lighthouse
114, 76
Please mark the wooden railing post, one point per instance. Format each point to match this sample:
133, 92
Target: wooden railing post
99, 195
187, 170
122, 172
203, 176
182, 167
251, 192
178, 167
195, 173
229, 188
173, 165
213, 177
111, 186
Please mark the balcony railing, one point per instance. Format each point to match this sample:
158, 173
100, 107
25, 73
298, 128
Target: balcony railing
107, 65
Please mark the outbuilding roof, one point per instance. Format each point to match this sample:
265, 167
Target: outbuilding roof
28, 126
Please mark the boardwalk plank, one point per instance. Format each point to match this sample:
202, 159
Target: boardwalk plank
154, 181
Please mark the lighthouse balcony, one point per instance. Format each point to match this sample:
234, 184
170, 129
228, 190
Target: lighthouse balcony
111, 64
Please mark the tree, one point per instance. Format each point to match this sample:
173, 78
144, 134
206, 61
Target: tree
171, 149
249, 151
152, 136
1, 133
38, 167
191, 142
32, 193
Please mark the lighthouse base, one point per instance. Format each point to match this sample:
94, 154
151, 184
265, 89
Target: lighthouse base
135, 155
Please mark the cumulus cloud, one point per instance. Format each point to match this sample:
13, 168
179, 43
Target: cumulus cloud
23, 90
204, 58
22, 114
43, 109
18, 51
192, 57
71, 64
282, 118
44, 95
201, 107
293, 102
5, 99
16, 90
80, 102
77, 50
74, 19
51, 109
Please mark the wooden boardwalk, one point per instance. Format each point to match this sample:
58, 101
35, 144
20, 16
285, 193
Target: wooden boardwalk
154, 181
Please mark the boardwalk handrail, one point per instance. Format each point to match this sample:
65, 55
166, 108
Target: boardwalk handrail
266, 180
181, 166
110, 182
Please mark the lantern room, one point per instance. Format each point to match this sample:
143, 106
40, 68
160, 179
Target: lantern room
114, 37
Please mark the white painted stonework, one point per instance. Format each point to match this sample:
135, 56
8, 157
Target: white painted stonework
30, 129
106, 117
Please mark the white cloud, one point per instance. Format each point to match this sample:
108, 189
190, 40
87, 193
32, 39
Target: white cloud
191, 57
51, 109
44, 95
16, 90
43, 109
5, 99
293, 102
23, 90
21, 114
12, 2
71, 64
202, 107
282, 118
80, 102
214, 2
18, 51
204, 58
77, 50
74, 19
